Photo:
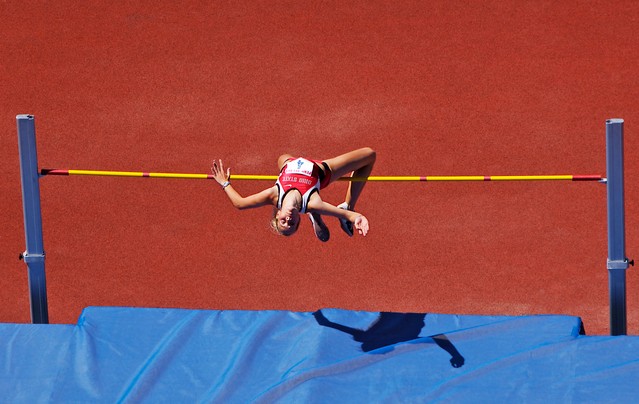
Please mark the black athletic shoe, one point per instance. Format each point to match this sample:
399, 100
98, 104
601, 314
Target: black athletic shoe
319, 227
346, 225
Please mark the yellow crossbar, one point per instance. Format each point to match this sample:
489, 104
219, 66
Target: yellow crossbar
358, 179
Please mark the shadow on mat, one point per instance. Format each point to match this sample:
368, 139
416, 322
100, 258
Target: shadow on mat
390, 329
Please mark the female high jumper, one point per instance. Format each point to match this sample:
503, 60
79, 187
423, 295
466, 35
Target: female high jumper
296, 191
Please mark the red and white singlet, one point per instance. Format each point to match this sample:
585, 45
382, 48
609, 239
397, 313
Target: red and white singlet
301, 174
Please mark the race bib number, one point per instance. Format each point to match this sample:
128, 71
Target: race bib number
300, 166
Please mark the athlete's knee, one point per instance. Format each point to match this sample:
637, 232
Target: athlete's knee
370, 154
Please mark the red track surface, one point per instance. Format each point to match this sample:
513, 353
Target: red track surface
488, 88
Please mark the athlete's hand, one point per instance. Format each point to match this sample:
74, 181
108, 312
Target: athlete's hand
217, 169
361, 224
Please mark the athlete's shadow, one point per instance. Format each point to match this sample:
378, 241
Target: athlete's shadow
390, 329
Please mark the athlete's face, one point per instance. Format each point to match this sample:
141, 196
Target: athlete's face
288, 220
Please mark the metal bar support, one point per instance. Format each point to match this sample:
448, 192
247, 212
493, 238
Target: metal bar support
34, 254
617, 263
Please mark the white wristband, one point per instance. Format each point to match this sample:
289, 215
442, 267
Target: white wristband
226, 184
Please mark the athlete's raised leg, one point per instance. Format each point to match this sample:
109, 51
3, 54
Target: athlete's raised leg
281, 160
358, 162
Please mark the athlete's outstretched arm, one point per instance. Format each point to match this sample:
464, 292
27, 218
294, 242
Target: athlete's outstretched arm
324, 208
253, 201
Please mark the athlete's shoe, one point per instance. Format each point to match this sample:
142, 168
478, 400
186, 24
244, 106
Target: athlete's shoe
346, 225
319, 227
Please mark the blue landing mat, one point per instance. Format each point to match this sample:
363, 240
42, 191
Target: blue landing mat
174, 355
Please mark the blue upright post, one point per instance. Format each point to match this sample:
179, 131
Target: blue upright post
34, 254
617, 260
